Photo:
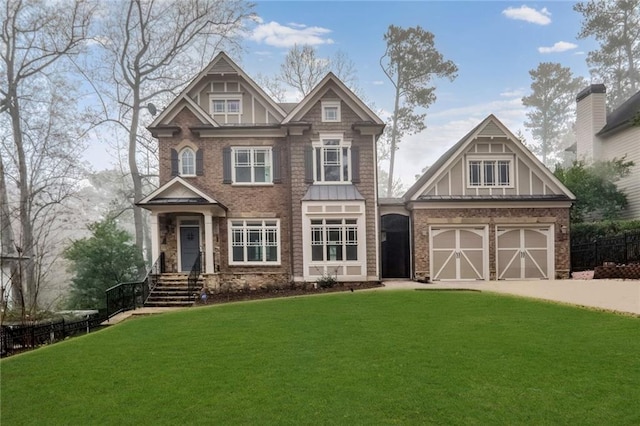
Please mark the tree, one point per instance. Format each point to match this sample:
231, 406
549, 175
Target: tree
41, 139
594, 186
150, 46
551, 108
410, 62
616, 26
302, 69
100, 261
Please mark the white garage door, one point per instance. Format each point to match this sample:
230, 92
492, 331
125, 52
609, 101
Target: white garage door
458, 253
524, 253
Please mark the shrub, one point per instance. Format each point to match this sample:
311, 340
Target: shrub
326, 281
589, 232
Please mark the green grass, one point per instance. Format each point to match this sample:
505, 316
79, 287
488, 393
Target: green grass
356, 358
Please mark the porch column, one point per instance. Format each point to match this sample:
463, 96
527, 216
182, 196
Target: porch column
155, 237
208, 243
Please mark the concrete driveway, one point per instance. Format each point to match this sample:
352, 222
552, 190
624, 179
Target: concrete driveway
612, 295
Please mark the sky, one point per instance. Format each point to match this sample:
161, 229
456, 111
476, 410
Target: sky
493, 43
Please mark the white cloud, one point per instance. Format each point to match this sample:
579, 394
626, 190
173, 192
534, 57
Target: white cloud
278, 35
525, 13
515, 93
377, 82
296, 25
561, 46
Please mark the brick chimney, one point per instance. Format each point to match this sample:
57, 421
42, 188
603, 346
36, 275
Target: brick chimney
591, 116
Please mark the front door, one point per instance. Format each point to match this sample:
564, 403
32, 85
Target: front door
189, 246
395, 246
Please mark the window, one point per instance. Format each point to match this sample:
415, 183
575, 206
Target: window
254, 242
187, 162
252, 165
222, 104
334, 240
332, 157
330, 111
489, 173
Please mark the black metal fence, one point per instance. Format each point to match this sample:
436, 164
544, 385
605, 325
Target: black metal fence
20, 337
192, 280
621, 249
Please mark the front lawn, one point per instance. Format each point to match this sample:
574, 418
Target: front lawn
352, 358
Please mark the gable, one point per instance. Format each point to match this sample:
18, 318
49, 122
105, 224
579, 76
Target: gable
227, 96
332, 88
178, 191
488, 163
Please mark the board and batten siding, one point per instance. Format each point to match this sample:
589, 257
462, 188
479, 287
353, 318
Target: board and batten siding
626, 142
527, 179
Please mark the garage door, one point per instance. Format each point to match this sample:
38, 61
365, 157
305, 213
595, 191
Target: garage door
524, 253
458, 253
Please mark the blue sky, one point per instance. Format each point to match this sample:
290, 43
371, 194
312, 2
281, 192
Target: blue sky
493, 43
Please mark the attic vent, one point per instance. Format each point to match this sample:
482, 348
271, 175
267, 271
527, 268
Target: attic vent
491, 129
222, 67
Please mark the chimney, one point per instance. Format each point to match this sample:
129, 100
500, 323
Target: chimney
591, 116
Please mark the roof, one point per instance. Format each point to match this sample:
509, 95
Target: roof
333, 193
622, 117
455, 150
288, 106
547, 197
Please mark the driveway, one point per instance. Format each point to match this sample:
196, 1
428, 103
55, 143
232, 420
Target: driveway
611, 295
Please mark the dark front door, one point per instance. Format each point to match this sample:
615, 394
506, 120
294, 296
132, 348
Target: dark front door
189, 246
395, 246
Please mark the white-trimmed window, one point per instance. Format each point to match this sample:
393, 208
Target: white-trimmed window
251, 165
225, 104
187, 163
254, 241
490, 172
334, 240
332, 159
331, 111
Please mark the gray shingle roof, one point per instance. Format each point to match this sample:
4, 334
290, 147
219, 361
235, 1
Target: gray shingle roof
333, 193
621, 117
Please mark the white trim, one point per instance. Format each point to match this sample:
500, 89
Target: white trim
482, 158
323, 210
177, 181
485, 249
252, 166
181, 164
179, 220
318, 144
263, 230
550, 234
326, 104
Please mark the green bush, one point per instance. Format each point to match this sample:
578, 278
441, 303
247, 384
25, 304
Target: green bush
589, 232
326, 281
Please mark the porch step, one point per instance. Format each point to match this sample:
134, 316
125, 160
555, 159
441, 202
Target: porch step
172, 290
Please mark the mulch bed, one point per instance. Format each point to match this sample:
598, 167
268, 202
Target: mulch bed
271, 293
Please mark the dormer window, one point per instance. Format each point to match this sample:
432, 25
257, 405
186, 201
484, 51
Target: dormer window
331, 111
494, 172
187, 162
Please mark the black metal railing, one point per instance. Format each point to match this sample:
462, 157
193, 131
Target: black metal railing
621, 249
131, 295
194, 275
20, 337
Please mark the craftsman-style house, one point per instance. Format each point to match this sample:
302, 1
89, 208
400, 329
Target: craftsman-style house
488, 209
265, 193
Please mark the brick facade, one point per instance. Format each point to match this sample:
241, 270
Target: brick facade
422, 218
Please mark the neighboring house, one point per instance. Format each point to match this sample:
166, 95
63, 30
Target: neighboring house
267, 192
487, 209
605, 136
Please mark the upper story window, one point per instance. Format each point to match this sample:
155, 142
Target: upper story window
254, 242
331, 111
187, 164
495, 172
252, 165
332, 159
226, 104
